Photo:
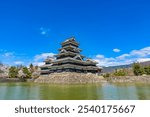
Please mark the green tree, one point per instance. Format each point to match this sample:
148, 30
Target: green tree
1, 71
13, 72
137, 69
26, 72
31, 68
147, 70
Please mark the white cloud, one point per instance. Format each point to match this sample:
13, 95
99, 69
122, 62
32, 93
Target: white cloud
123, 56
8, 54
116, 50
143, 59
43, 56
44, 31
127, 58
141, 55
18, 62
38, 63
11, 58
100, 56
38, 59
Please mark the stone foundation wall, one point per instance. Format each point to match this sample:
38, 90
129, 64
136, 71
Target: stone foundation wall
70, 78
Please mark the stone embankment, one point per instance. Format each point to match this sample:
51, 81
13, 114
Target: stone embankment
129, 79
70, 78
10, 80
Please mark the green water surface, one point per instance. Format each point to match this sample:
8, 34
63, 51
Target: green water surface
32, 91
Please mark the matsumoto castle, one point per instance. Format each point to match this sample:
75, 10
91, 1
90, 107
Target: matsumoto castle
69, 59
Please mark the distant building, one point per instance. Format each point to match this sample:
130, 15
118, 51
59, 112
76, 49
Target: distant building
69, 59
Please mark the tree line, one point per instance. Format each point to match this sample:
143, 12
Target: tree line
137, 69
23, 71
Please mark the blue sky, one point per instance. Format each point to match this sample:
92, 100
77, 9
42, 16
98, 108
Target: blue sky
112, 32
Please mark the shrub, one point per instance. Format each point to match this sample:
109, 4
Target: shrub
120, 72
106, 75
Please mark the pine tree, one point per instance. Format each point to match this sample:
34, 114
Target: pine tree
147, 70
26, 72
31, 68
137, 69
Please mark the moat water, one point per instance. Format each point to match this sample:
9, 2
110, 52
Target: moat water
32, 91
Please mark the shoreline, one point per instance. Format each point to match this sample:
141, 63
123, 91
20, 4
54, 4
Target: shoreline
10, 80
129, 79
80, 78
